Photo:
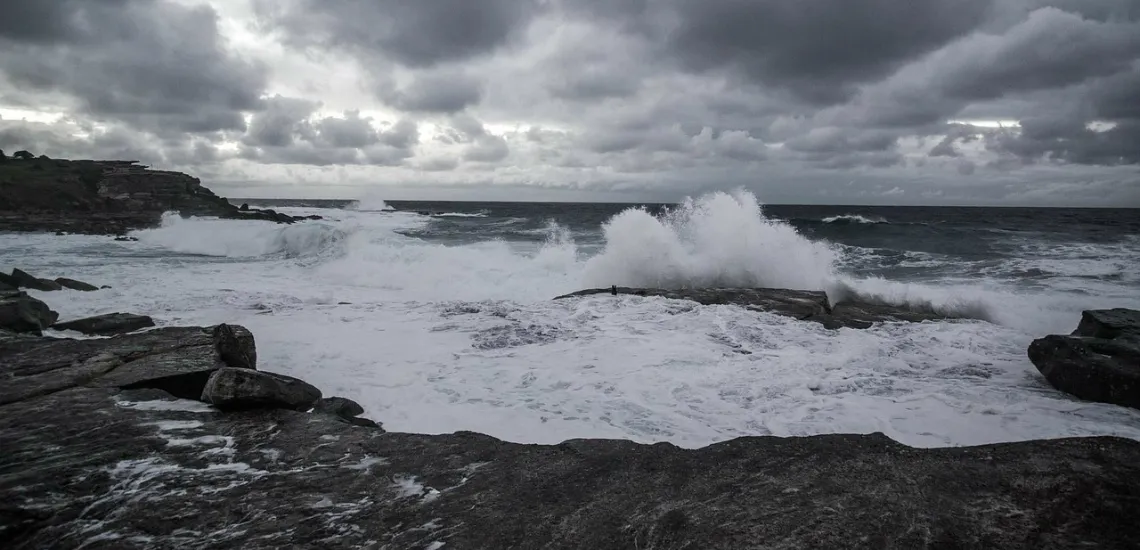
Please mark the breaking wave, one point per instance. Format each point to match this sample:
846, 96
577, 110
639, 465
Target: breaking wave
241, 238
845, 219
716, 240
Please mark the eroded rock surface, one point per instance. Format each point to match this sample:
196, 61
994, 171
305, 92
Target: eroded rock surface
1100, 361
806, 305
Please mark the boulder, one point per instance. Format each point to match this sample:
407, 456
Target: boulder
344, 410
178, 360
1108, 323
107, 324
22, 313
236, 389
8, 282
339, 406
25, 280
1100, 362
75, 285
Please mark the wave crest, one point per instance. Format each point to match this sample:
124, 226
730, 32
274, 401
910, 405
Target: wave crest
715, 240
844, 219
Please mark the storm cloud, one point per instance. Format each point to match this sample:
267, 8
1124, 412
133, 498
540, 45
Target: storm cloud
880, 101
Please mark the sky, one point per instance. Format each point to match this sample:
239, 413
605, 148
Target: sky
938, 102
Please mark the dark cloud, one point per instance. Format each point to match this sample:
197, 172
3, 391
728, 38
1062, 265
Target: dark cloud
411, 33
819, 49
158, 65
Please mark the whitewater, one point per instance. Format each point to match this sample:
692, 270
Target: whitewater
460, 333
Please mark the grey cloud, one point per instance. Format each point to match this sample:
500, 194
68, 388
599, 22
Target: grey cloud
435, 92
487, 148
412, 33
156, 64
286, 131
438, 164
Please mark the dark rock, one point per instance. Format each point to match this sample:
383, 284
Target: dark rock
111, 469
124, 238
178, 360
339, 406
244, 207
1108, 323
75, 285
345, 410
802, 304
22, 313
24, 279
1101, 363
107, 324
237, 389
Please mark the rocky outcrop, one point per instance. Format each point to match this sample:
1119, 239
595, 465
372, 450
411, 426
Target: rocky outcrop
1099, 361
805, 305
24, 279
75, 285
237, 389
104, 461
107, 324
23, 314
104, 197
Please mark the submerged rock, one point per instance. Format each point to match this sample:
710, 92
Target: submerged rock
75, 285
107, 324
1099, 362
808, 305
22, 313
236, 389
24, 279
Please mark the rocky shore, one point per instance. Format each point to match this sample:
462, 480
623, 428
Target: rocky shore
105, 197
176, 437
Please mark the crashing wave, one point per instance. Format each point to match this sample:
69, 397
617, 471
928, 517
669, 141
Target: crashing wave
853, 219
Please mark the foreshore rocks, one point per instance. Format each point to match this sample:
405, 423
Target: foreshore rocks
22, 279
105, 197
1099, 361
174, 438
807, 305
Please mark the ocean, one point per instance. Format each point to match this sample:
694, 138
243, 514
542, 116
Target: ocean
437, 316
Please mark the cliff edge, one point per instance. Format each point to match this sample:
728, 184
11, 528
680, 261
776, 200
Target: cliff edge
103, 196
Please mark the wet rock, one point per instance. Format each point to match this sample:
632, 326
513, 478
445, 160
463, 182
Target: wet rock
24, 314
1101, 362
178, 360
95, 465
237, 389
244, 207
107, 324
344, 410
75, 285
125, 238
24, 279
805, 305
339, 406
1108, 323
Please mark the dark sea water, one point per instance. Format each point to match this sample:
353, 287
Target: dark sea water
1023, 246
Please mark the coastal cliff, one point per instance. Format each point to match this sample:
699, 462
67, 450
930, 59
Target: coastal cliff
104, 196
